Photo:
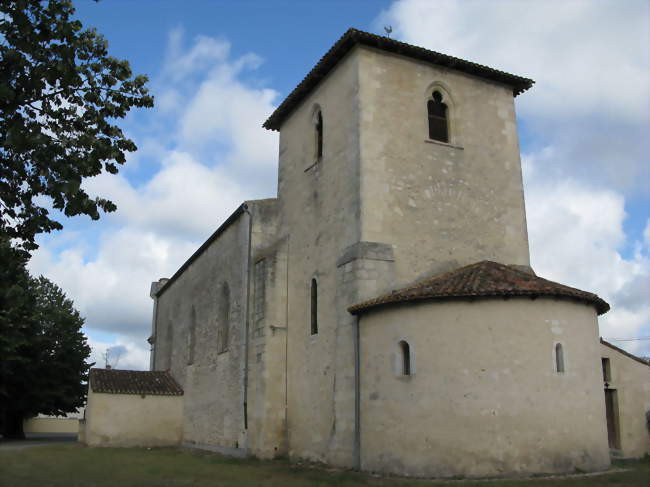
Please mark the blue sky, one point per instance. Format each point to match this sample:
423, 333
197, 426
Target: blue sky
218, 69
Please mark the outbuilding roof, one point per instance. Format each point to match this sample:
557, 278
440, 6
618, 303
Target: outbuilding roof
482, 280
623, 352
115, 381
353, 37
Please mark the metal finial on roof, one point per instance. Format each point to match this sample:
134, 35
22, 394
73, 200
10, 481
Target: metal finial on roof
388, 29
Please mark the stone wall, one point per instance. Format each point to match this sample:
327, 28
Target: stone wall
267, 336
132, 420
51, 425
319, 208
382, 207
483, 397
440, 205
214, 381
630, 379
212, 365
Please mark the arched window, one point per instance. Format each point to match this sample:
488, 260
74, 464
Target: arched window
314, 307
559, 358
405, 350
191, 337
223, 322
438, 126
319, 135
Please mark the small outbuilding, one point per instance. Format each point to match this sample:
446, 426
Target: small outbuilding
132, 408
627, 401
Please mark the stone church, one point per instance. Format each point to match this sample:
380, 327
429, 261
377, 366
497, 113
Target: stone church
381, 313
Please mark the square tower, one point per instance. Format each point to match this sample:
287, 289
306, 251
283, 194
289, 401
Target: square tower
407, 148
394, 162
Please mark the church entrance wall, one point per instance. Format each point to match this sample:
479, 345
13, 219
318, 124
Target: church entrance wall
611, 413
627, 394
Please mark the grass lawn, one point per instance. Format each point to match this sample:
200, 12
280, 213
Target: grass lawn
73, 465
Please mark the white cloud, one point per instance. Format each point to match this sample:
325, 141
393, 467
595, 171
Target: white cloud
590, 61
123, 354
184, 198
205, 53
585, 125
582, 53
576, 233
225, 110
111, 290
208, 153
207, 149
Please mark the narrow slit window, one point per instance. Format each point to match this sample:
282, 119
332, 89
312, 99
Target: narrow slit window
319, 136
607, 371
314, 307
405, 350
191, 338
438, 125
559, 358
223, 330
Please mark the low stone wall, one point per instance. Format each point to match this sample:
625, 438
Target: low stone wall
128, 420
51, 425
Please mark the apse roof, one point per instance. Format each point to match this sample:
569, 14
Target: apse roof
116, 381
482, 280
353, 37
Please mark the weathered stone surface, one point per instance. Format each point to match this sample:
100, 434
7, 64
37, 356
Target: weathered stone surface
366, 250
383, 207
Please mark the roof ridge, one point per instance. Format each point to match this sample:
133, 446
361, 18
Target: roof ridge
353, 36
483, 279
624, 352
124, 381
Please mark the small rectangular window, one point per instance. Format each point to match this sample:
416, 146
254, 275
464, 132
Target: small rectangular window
607, 372
314, 307
259, 279
559, 358
319, 136
438, 129
191, 338
438, 123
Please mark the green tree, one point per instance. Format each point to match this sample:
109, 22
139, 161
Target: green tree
60, 95
43, 352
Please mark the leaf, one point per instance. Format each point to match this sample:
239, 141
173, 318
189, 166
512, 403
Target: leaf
59, 92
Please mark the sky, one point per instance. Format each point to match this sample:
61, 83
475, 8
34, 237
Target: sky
217, 69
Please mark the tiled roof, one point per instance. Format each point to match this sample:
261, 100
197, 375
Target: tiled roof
353, 37
114, 381
627, 354
481, 280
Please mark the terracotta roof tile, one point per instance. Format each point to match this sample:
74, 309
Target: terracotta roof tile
353, 37
483, 279
115, 381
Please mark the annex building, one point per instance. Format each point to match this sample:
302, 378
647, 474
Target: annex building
381, 313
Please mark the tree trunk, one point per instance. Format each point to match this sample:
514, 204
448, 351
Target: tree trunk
13, 426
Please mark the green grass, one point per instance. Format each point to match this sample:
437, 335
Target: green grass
75, 466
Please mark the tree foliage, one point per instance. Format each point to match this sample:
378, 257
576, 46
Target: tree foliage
42, 350
60, 95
